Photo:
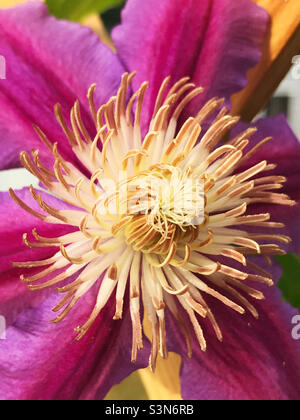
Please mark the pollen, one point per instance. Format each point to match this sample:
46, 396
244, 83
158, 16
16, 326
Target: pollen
160, 211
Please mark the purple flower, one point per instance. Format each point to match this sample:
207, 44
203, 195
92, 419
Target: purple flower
107, 235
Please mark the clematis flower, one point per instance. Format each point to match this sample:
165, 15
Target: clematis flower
108, 228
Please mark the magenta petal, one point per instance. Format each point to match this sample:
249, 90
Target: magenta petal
41, 361
258, 359
214, 42
283, 150
47, 62
14, 221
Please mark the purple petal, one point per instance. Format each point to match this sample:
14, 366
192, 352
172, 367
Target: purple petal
41, 361
258, 359
283, 150
48, 61
214, 42
14, 221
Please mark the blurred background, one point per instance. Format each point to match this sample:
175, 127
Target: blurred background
286, 99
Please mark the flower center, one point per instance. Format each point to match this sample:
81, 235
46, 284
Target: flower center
162, 209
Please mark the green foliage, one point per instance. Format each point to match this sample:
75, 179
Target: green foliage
289, 282
131, 387
76, 9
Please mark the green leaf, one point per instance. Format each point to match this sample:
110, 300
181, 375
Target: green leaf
76, 9
289, 282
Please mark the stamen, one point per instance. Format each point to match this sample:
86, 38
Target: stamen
60, 119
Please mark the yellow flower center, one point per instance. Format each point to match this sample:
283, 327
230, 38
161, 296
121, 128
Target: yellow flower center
161, 208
